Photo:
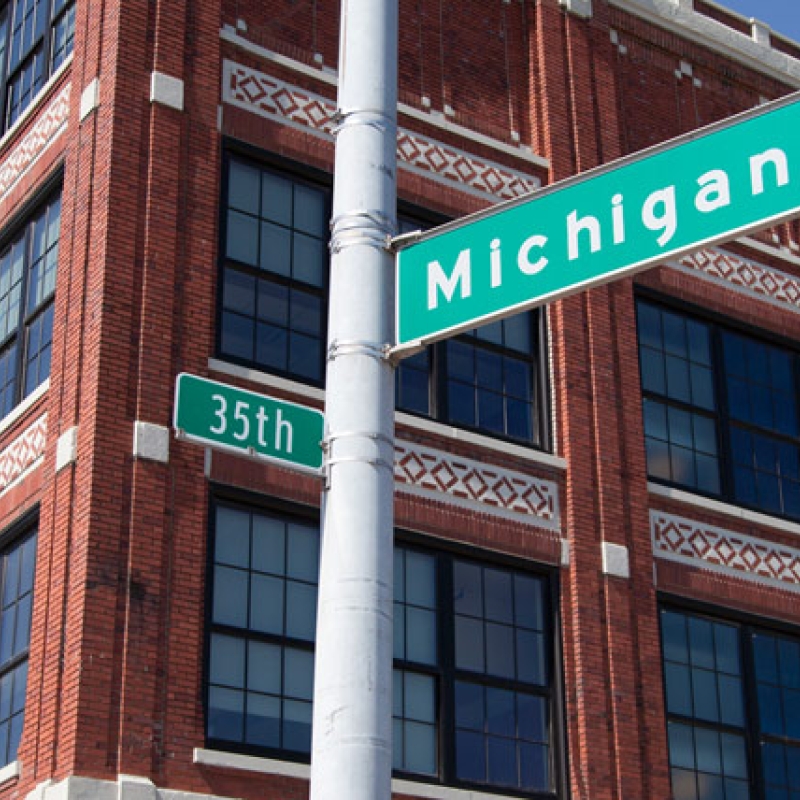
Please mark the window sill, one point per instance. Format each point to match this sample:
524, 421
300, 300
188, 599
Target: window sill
9, 419
728, 509
10, 772
410, 420
271, 766
34, 105
266, 379
490, 443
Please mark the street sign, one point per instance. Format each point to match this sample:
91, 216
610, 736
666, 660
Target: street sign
711, 185
226, 417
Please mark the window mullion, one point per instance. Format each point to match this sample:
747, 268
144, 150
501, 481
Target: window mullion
22, 326
751, 729
446, 622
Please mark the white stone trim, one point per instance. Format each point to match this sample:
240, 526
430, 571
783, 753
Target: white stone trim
771, 250
10, 771
270, 766
429, 117
728, 509
150, 441
615, 560
166, 90
31, 400
734, 554
286, 103
743, 275
681, 18
49, 125
439, 475
580, 8
126, 787
90, 98
534, 457
67, 448
565, 553
33, 107
265, 379
481, 440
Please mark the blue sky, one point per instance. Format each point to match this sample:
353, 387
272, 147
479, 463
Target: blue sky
782, 16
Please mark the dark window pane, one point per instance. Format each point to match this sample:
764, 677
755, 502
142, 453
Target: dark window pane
654, 371
534, 767
469, 644
679, 690
275, 253
681, 746
500, 650
704, 691
470, 756
502, 761
501, 712
467, 589
470, 706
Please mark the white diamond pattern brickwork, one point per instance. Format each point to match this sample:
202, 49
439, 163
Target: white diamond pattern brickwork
275, 99
23, 452
756, 279
690, 542
49, 125
427, 472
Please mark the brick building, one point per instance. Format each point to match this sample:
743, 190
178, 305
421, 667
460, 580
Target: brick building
597, 503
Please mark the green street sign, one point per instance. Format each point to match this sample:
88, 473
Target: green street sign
217, 415
711, 185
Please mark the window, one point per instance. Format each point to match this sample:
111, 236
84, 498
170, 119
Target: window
733, 709
17, 561
36, 37
28, 265
275, 271
720, 410
263, 621
273, 314
473, 682
490, 379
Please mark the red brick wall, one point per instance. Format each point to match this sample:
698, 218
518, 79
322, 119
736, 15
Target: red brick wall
116, 665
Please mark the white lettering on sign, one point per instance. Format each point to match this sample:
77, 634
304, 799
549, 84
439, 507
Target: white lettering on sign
437, 280
281, 430
585, 233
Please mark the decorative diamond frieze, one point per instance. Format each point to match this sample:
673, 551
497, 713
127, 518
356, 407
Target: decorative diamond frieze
690, 542
757, 279
49, 125
23, 452
432, 473
270, 97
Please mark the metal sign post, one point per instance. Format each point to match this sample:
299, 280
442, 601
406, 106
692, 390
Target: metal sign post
351, 741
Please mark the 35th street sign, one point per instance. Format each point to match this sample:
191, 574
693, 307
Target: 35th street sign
711, 185
226, 417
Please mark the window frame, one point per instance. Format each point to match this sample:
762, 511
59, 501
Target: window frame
17, 535
747, 626
244, 501
22, 225
446, 553
445, 674
719, 326
42, 44
438, 376
297, 173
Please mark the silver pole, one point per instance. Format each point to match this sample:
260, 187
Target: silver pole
352, 747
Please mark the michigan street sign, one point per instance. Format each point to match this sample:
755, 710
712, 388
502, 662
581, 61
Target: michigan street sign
217, 415
711, 185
